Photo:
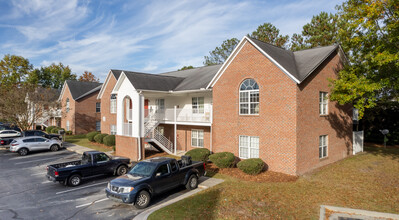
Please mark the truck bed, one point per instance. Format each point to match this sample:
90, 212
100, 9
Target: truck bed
66, 164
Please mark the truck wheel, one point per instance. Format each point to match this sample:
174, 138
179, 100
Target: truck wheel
192, 182
23, 152
122, 170
74, 180
142, 200
54, 147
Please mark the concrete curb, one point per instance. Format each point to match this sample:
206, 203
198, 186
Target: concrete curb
206, 183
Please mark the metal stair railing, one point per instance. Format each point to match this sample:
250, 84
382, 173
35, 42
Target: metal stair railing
163, 141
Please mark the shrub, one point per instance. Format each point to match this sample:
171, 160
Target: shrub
99, 138
251, 166
223, 159
109, 140
199, 154
55, 130
68, 132
49, 128
90, 135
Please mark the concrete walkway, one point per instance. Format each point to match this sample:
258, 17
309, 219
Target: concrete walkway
79, 149
205, 183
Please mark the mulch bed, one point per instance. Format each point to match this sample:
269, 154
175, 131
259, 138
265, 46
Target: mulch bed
265, 176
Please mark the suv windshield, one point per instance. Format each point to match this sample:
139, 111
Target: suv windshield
143, 169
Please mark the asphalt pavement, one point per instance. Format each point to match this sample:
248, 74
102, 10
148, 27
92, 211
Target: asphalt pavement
25, 192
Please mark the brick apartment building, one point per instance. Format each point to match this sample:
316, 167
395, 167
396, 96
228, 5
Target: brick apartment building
263, 102
80, 109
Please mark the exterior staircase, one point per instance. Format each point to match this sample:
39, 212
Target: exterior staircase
154, 137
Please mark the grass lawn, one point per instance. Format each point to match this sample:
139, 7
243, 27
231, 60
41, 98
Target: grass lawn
81, 140
366, 181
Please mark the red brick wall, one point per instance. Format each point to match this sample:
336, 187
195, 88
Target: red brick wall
276, 123
184, 135
127, 147
68, 116
86, 115
110, 119
337, 124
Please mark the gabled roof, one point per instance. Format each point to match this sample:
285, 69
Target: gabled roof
297, 65
81, 89
112, 72
157, 82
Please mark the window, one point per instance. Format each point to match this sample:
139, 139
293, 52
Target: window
67, 126
98, 125
197, 138
101, 158
113, 104
173, 166
198, 105
249, 147
249, 97
98, 107
162, 170
323, 146
39, 133
40, 140
29, 140
113, 129
323, 101
67, 105
160, 105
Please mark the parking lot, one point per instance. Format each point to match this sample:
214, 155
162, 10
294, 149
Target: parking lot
25, 192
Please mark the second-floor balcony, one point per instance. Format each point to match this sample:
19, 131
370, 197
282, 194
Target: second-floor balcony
180, 115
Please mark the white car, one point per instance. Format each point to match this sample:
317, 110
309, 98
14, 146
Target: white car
9, 133
25, 145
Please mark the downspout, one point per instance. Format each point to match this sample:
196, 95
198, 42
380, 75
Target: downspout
139, 140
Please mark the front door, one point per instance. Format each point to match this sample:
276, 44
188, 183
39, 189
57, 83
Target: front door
145, 107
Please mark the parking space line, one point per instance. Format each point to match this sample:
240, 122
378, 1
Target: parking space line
92, 203
38, 155
46, 182
38, 174
31, 161
83, 187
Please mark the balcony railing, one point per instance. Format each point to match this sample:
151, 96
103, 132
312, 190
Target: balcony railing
180, 115
127, 129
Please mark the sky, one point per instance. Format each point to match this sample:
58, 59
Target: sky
144, 36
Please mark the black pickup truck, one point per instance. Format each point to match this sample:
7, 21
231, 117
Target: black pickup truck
154, 176
93, 164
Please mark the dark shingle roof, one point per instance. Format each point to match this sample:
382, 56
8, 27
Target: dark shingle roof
146, 81
81, 89
299, 64
191, 79
117, 73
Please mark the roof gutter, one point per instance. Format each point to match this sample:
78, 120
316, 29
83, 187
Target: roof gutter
176, 92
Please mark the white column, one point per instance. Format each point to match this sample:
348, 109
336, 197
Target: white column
175, 128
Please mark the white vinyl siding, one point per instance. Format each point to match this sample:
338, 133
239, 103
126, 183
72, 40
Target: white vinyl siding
197, 138
323, 141
113, 130
248, 147
198, 105
112, 104
323, 103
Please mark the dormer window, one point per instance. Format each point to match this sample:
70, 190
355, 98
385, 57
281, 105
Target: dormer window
249, 97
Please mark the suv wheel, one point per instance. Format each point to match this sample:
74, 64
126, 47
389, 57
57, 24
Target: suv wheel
54, 147
142, 200
23, 152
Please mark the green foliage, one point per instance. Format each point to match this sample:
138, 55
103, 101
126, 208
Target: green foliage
297, 43
223, 159
52, 76
322, 30
68, 132
55, 130
369, 33
49, 128
13, 70
90, 135
109, 140
199, 154
251, 166
186, 68
220, 54
99, 138
270, 34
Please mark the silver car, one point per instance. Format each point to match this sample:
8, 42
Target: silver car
24, 145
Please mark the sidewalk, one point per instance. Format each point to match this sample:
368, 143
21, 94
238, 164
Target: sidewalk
205, 183
79, 149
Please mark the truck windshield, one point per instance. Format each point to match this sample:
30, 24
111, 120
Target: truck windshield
143, 169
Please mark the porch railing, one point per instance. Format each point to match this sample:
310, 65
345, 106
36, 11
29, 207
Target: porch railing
180, 115
163, 141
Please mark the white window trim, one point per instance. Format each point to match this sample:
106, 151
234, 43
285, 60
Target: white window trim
112, 105
112, 131
100, 125
68, 128
99, 107
197, 137
67, 105
249, 102
322, 104
322, 146
198, 109
248, 147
